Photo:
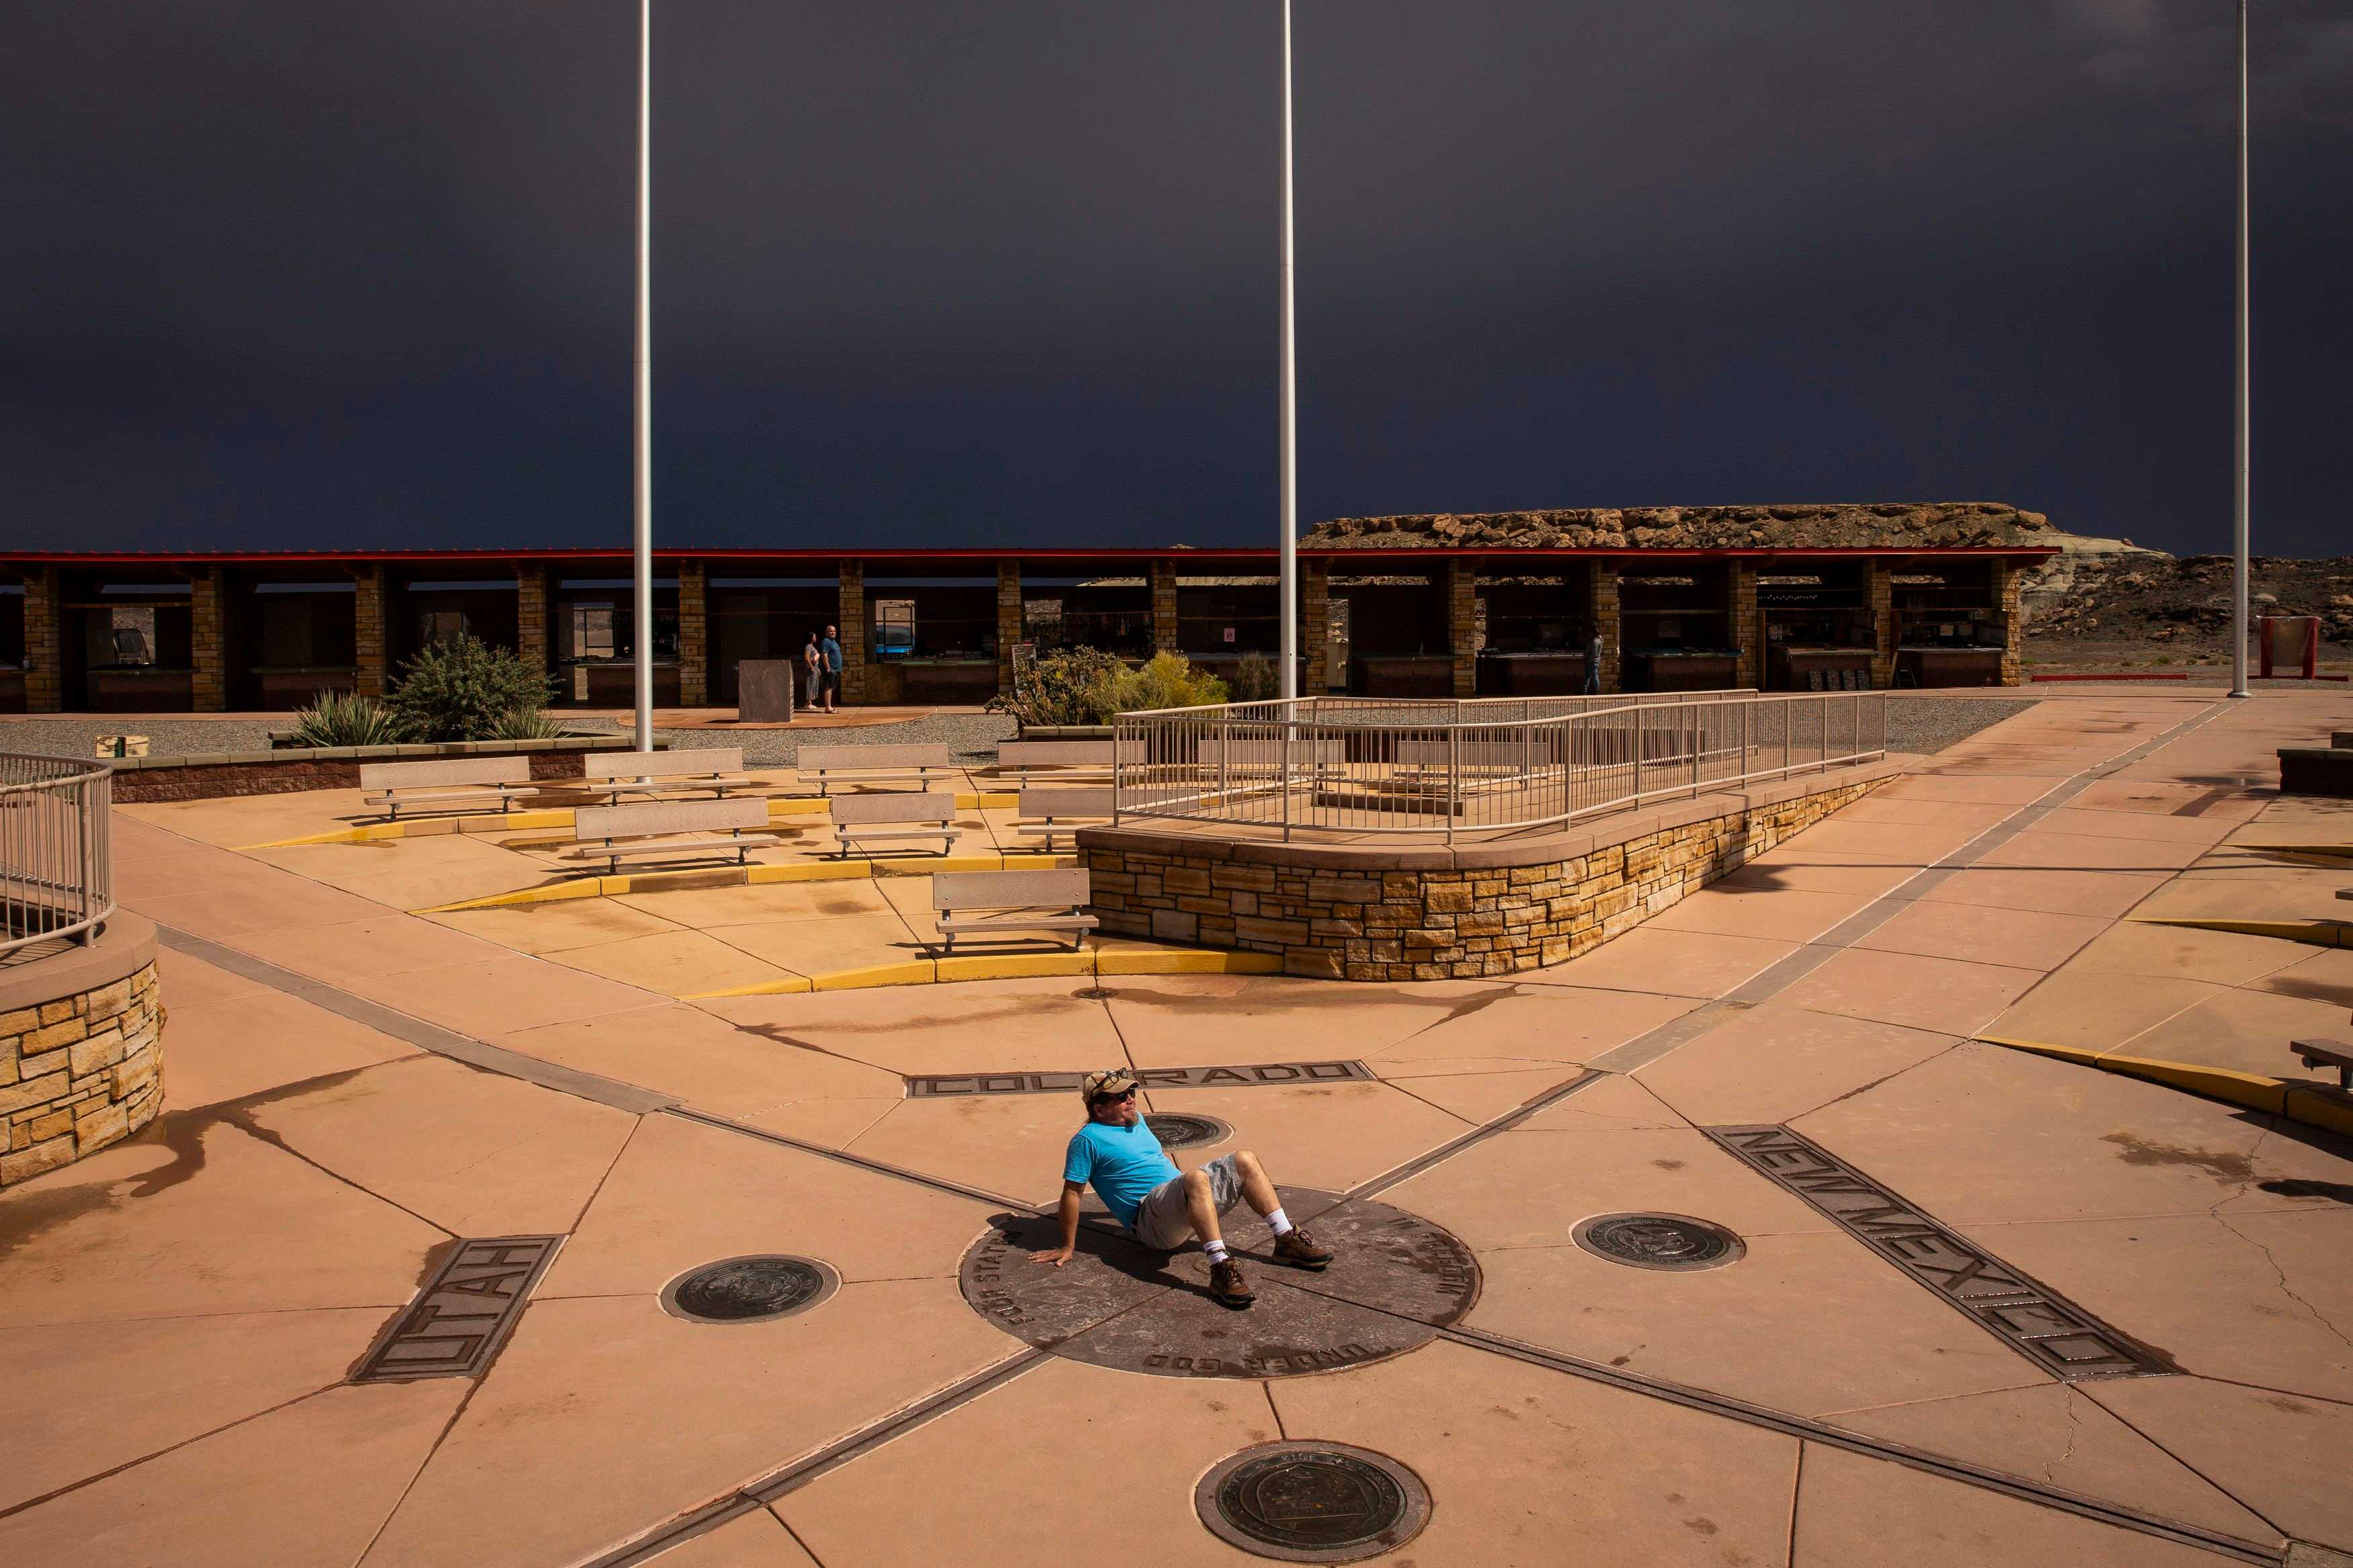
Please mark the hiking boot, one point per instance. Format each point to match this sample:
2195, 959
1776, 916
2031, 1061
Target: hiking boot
1226, 1285
1298, 1248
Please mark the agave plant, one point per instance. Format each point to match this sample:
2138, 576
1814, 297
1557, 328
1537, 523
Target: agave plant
346, 719
526, 724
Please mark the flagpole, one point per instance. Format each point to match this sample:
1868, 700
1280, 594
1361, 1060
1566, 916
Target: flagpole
2239, 423
1289, 406
641, 442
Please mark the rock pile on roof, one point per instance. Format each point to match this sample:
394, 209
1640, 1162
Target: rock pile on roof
1879, 525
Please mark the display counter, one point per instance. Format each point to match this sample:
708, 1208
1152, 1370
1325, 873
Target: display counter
1534, 672
946, 678
1819, 669
1949, 666
613, 683
139, 691
12, 692
289, 687
1401, 675
1682, 669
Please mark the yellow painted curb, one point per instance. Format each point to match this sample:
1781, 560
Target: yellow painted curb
2313, 933
372, 833
918, 972
2272, 1096
2328, 1109
790, 986
1015, 966
553, 893
424, 827
797, 805
811, 871
1185, 961
2079, 1056
988, 800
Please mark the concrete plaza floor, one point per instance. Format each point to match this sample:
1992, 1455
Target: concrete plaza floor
353, 1089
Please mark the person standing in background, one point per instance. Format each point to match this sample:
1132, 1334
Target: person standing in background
829, 650
812, 674
1593, 661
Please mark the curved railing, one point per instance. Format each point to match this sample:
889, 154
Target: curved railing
1343, 767
56, 874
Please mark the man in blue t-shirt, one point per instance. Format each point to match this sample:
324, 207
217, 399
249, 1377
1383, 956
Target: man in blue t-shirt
829, 657
1162, 1207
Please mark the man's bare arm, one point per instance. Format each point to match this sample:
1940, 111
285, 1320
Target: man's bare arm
1058, 1256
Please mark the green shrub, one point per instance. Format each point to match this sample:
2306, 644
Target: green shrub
527, 724
1254, 680
1168, 681
465, 689
346, 719
1087, 686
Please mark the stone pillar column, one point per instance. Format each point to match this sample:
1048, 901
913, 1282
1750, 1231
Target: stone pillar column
1881, 597
1164, 606
45, 642
693, 635
1604, 611
1008, 622
2009, 585
530, 615
1463, 623
209, 640
851, 630
370, 674
1748, 627
1314, 625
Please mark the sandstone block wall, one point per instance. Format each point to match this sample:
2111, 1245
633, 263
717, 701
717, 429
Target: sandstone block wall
78, 1072
1441, 923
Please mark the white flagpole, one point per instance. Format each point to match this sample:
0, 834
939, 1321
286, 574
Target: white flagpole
1290, 399
2238, 482
642, 435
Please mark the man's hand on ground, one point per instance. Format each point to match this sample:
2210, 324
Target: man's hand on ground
1057, 1256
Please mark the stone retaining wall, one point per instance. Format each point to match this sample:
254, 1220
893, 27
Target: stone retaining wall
213, 774
1344, 912
82, 1062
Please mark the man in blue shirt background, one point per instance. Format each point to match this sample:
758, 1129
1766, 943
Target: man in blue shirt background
829, 653
1160, 1205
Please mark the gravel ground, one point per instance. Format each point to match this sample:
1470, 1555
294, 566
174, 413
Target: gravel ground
1914, 724
1924, 724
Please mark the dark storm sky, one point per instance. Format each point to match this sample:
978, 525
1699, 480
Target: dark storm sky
284, 275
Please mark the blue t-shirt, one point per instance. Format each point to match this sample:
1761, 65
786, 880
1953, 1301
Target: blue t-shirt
831, 651
1123, 1162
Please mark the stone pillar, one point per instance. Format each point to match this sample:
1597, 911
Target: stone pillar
1604, 611
2009, 585
1463, 623
850, 630
1164, 607
45, 642
1008, 622
371, 673
1880, 591
208, 640
1314, 625
693, 635
530, 615
1748, 626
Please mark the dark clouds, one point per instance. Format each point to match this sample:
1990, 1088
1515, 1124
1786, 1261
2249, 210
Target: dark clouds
286, 275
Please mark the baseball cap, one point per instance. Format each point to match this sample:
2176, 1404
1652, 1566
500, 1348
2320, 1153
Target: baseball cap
1113, 1080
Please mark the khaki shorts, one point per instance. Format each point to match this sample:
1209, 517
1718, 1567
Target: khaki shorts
1160, 1220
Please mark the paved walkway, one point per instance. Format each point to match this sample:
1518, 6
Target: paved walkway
1936, 1238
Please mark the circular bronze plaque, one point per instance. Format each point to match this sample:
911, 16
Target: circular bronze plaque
748, 1289
1394, 1281
1185, 1129
1669, 1241
1312, 1502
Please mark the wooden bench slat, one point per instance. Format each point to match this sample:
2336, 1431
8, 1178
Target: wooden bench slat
508, 770
663, 764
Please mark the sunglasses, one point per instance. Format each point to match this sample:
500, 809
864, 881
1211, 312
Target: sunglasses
1114, 1098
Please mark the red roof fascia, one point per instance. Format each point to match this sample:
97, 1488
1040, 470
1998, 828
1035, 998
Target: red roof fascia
1408, 553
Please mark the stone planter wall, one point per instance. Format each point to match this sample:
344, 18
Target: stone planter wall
82, 1062
208, 775
1433, 913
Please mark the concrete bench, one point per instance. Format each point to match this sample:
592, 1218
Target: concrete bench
669, 830
831, 765
463, 782
993, 904
615, 773
861, 821
1055, 761
1046, 813
2327, 1054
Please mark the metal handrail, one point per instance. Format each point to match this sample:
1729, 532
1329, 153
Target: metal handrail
1359, 766
56, 869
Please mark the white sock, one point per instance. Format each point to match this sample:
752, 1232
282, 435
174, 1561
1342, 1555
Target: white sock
1216, 1249
1279, 1222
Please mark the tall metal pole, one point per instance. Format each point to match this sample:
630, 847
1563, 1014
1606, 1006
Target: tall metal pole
1290, 460
2239, 410
642, 435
